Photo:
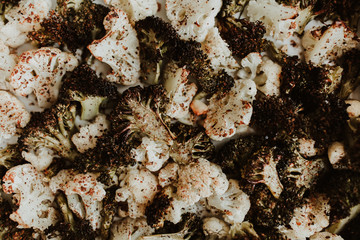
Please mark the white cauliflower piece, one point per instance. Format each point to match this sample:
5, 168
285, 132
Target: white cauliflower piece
234, 203
168, 174
218, 52
268, 81
336, 152
13, 115
119, 48
231, 113
7, 63
87, 187
323, 47
280, 21
40, 72
138, 188
353, 109
325, 236
130, 229
21, 20
308, 219
135, 9
200, 179
40, 159
192, 19
307, 147
215, 227
87, 137
179, 91
33, 195
151, 154
250, 66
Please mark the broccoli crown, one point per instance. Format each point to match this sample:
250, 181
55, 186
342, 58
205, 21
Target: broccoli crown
343, 189
85, 87
10, 156
230, 7
160, 43
242, 36
157, 210
71, 26
51, 129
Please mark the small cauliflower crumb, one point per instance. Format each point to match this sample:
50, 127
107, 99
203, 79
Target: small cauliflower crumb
307, 147
135, 9
192, 19
336, 152
215, 227
87, 137
119, 48
40, 72
33, 195
138, 189
13, 115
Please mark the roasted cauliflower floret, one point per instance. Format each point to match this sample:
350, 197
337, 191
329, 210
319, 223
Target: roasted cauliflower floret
13, 115
7, 63
130, 229
40, 72
230, 113
135, 9
33, 196
138, 188
215, 228
119, 48
22, 19
324, 46
268, 79
192, 19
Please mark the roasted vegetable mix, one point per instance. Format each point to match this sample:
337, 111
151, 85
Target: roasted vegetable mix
179, 119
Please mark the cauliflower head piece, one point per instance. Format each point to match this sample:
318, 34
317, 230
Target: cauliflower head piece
119, 48
33, 196
192, 19
13, 115
40, 72
21, 20
7, 63
230, 113
135, 9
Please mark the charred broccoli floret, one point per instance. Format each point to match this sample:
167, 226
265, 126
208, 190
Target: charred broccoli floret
50, 131
108, 212
191, 143
242, 36
10, 156
72, 24
350, 80
159, 43
230, 7
85, 87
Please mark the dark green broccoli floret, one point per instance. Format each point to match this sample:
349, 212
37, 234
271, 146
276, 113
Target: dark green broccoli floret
51, 129
242, 36
108, 212
10, 156
159, 43
72, 26
191, 143
343, 189
301, 3
85, 87
350, 80
230, 7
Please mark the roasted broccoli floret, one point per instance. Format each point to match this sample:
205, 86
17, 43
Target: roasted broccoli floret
159, 43
242, 36
301, 3
48, 135
73, 24
10, 156
230, 7
85, 87
343, 189
350, 80
108, 212
191, 143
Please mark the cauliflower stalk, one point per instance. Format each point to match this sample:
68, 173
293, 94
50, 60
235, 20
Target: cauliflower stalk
135, 9
119, 48
85, 186
230, 113
13, 115
234, 203
218, 52
33, 196
130, 229
138, 189
192, 19
21, 20
87, 137
40, 72
180, 93
151, 154
323, 47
